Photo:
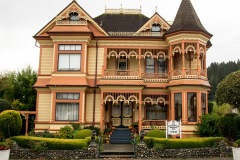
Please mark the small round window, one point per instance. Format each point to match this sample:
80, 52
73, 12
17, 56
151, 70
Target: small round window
74, 17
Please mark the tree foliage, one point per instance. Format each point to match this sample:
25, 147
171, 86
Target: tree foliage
218, 71
16, 87
228, 90
4, 105
228, 126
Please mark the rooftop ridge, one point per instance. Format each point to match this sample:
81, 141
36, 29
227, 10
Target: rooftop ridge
123, 11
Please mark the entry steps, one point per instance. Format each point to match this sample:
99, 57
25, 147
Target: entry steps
121, 136
117, 151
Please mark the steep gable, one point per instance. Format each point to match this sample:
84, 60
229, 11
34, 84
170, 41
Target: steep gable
83, 22
155, 19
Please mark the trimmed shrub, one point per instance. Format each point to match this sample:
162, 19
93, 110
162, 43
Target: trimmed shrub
237, 119
38, 146
182, 143
156, 133
208, 126
82, 134
4, 105
65, 132
76, 126
93, 128
228, 126
52, 143
10, 122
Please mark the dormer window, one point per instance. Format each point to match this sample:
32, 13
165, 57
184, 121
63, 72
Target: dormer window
156, 28
73, 16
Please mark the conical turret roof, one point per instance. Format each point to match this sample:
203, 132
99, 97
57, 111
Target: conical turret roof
187, 20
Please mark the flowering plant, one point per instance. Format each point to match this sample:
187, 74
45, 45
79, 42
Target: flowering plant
4, 146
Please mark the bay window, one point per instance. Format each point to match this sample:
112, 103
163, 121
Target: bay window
67, 111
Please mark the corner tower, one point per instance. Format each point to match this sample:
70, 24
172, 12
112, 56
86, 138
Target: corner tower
188, 42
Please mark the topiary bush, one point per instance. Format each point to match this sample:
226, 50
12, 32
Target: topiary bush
228, 126
208, 126
82, 134
5, 105
237, 119
65, 132
10, 122
97, 129
156, 133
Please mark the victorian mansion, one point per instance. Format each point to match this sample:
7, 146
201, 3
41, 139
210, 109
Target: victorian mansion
120, 68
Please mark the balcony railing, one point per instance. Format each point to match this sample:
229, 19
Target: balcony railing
191, 73
67, 22
155, 77
121, 74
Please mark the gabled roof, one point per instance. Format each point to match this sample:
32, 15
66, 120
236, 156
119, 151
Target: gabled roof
121, 22
187, 20
156, 18
52, 23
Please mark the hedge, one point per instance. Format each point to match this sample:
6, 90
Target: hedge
183, 143
53, 143
155, 133
82, 134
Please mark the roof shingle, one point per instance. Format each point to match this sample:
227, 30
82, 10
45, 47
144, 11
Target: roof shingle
121, 22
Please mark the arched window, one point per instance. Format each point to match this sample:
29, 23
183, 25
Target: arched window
74, 16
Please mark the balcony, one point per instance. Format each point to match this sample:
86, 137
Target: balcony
189, 73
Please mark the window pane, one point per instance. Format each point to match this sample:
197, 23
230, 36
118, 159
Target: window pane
203, 102
63, 63
59, 96
76, 96
192, 107
61, 47
67, 47
72, 47
162, 65
78, 47
156, 112
64, 95
149, 65
75, 62
178, 105
67, 111
70, 95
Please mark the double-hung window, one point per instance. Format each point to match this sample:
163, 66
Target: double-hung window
69, 57
67, 107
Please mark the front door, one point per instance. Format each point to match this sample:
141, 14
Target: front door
122, 114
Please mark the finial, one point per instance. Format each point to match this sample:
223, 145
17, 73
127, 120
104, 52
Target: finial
121, 5
140, 7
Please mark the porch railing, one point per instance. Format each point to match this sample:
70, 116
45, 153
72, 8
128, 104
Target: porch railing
153, 124
191, 73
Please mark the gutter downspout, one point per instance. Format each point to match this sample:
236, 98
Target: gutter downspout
95, 84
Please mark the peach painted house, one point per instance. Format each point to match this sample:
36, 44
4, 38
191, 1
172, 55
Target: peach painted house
122, 67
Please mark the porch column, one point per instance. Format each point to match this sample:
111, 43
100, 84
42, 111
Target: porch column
184, 107
199, 106
172, 107
105, 62
183, 60
198, 64
139, 63
170, 62
140, 112
102, 121
205, 62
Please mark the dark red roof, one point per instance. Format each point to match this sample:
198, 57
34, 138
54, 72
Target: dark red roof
187, 20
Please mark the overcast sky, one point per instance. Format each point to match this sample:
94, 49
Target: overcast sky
21, 19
